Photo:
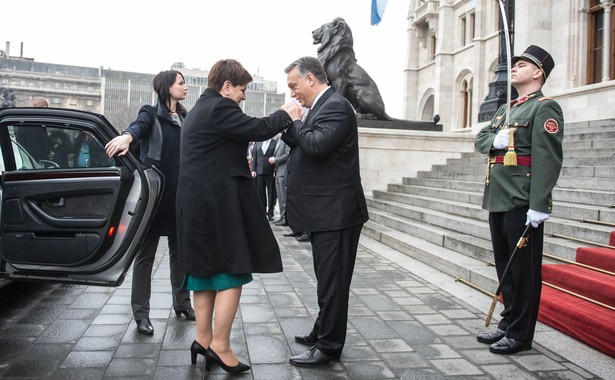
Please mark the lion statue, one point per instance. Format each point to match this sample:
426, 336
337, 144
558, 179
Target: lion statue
336, 53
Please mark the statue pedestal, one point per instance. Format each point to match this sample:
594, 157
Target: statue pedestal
410, 125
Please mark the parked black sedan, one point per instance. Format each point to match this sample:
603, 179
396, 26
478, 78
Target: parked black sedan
69, 213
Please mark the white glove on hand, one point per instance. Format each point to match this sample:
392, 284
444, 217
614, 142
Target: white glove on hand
501, 139
535, 217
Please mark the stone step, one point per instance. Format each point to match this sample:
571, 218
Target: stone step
602, 199
450, 207
473, 186
589, 152
452, 195
588, 171
593, 183
425, 220
582, 135
593, 126
477, 173
597, 142
583, 196
445, 260
477, 185
562, 210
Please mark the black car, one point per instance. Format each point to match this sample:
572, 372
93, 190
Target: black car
70, 213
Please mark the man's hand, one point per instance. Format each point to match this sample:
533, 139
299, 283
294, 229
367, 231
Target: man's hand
535, 217
501, 139
271, 160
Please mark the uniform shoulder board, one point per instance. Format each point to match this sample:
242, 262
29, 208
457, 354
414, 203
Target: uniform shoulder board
545, 98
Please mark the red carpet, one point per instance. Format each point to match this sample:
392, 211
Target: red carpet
581, 319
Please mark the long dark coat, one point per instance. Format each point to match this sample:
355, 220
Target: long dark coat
221, 225
167, 148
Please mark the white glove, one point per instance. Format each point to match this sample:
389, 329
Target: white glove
535, 217
501, 139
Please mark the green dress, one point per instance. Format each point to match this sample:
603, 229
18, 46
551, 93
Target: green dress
218, 281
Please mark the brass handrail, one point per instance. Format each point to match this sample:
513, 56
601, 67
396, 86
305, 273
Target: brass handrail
488, 293
600, 222
580, 296
582, 241
579, 264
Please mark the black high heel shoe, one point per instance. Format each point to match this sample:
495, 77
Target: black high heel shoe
188, 313
195, 349
211, 356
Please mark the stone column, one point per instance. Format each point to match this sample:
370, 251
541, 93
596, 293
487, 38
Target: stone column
606, 54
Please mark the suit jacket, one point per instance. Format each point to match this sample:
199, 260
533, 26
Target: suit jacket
539, 134
260, 160
324, 190
281, 154
220, 221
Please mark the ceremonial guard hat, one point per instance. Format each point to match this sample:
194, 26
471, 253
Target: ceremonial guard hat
537, 56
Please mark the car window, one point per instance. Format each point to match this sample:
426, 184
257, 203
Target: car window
47, 147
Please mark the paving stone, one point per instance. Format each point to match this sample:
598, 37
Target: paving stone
119, 367
432, 319
537, 363
88, 359
257, 313
456, 367
63, 331
96, 343
368, 370
390, 345
401, 360
437, 351
508, 372
138, 350
268, 349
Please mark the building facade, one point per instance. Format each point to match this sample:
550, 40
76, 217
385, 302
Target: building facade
453, 48
118, 95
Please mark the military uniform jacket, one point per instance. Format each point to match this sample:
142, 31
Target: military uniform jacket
539, 124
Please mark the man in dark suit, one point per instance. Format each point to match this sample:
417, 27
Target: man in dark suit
263, 170
279, 159
325, 197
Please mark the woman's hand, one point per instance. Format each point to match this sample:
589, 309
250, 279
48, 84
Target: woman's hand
118, 145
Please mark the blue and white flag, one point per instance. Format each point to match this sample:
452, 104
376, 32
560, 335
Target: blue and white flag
378, 10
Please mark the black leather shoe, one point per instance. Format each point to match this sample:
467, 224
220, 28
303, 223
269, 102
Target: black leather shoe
304, 237
312, 358
293, 234
144, 326
491, 337
509, 346
306, 339
188, 313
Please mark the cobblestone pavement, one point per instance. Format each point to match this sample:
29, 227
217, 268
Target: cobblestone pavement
407, 321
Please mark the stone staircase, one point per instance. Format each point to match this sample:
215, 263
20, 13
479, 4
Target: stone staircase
436, 217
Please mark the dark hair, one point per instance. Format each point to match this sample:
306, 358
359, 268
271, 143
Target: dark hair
161, 84
227, 70
306, 65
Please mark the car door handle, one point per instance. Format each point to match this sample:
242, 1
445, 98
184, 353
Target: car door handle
58, 202
66, 222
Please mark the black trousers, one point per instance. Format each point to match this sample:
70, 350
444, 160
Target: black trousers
522, 286
334, 253
265, 185
142, 277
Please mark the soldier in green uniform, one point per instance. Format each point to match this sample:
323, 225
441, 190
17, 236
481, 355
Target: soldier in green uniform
525, 159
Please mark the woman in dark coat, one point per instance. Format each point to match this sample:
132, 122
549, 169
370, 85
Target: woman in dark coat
223, 232
157, 129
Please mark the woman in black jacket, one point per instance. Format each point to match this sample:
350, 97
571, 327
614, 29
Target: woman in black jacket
157, 129
223, 232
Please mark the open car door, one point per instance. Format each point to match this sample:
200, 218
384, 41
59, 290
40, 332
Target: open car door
70, 213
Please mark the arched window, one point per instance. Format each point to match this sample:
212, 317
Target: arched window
466, 102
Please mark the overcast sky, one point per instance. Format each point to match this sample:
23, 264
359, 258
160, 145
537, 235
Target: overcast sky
149, 36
